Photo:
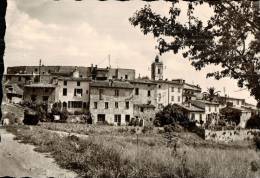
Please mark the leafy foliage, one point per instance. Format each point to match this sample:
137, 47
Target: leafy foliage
253, 122
229, 38
171, 115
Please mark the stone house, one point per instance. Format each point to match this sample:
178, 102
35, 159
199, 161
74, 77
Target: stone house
190, 92
193, 112
144, 99
40, 93
12, 93
73, 93
111, 102
168, 92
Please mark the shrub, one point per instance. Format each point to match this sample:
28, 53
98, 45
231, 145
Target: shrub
171, 114
30, 117
257, 142
253, 122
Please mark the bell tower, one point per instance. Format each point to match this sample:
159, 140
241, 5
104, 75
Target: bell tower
157, 69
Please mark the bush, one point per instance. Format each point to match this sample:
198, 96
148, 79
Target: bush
171, 114
30, 117
257, 142
253, 122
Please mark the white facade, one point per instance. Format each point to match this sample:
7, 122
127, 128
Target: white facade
73, 94
168, 93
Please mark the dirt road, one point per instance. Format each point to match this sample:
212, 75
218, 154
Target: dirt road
20, 160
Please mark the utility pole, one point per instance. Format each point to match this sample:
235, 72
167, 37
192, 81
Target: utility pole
109, 61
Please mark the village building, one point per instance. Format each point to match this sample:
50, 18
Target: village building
192, 112
111, 73
40, 93
144, 99
168, 92
191, 92
12, 93
73, 93
211, 109
111, 102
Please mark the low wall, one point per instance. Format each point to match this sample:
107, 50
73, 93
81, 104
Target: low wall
231, 135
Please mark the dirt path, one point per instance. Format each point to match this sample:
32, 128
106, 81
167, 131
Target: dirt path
20, 160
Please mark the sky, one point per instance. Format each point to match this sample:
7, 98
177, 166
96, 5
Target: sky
81, 33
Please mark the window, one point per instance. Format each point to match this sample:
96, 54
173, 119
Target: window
116, 92
136, 91
237, 102
86, 92
116, 104
75, 104
45, 98
159, 71
127, 105
20, 79
148, 93
142, 109
179, 90
64, 91
179, 98
78, 83
64, 104
209, 109
215, 108
46, 90
95, 105
101, 117
172, 98
159, 86
126, 77
200, 116
172, 89
77, 92
84, 105
65, 83
117, 118
106, 105
127, 118
35, 70
192, 116
100, 94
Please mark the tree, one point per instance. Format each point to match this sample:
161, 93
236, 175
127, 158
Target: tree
210, 94
229, 39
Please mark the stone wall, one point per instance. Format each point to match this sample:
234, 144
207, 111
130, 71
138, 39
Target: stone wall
230, 135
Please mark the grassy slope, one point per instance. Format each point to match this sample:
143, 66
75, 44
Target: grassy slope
113, 155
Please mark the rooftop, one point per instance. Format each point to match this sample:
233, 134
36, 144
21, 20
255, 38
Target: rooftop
111, 84
190, 108
144, 105
40, 85
191, 87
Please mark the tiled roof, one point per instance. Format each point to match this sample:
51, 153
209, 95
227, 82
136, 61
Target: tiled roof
190, 108
41, 85
191, 87
205, 102
74, 79
111, 84
168, 82
144, 105
145, 81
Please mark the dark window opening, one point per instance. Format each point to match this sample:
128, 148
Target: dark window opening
78, 83
136, 91
149, 93
127, 105
65, 83
116, 92
77, 92
127, 118
64, 91
116, 104
106, 105
95, 105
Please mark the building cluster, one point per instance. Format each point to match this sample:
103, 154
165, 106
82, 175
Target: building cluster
112, 95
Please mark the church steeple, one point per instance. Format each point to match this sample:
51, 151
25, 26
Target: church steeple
157, 69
